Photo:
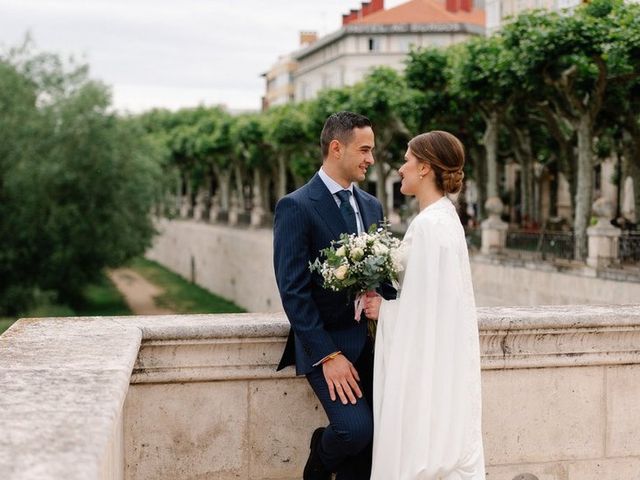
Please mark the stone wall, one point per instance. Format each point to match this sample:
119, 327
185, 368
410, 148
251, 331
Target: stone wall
237, 264
234, 263
197, 396
505, 281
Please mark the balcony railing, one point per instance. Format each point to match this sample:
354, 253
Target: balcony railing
546, 245
629, 247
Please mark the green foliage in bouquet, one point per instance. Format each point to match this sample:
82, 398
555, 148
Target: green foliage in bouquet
360, 263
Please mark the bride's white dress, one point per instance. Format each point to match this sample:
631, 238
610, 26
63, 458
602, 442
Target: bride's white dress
427, 399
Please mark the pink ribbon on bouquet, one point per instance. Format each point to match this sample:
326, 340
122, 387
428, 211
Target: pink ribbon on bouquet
359, 304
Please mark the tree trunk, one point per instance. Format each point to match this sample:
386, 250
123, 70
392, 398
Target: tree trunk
381, 185
566, 162
265, 183
553, 201
190, 197
490, 140
382, 166
208, 196
632, 143
524, 154
479, 173
584, 186
177, 201
634, 172
281, 184
224, 183
239, 185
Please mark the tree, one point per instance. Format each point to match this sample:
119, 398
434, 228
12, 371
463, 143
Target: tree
383, 96
438, 108
571, 54
76, 182
248, 135
621, 110
287, 133
481, 74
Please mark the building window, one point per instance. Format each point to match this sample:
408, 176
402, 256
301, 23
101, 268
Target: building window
374, 44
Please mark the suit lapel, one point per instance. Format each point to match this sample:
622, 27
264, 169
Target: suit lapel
326, 206
367, 213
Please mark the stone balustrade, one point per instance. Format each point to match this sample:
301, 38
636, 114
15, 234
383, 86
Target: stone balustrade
603, 238
197, 396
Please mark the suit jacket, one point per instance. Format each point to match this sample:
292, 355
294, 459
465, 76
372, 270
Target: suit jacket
305, 222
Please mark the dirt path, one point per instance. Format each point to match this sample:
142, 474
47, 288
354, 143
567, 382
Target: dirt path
138, 292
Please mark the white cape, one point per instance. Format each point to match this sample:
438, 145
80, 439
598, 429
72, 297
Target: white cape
427, 399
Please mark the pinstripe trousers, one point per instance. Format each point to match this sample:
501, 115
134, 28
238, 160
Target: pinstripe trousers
346, 444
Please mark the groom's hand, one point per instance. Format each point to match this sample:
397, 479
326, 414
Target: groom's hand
343, 378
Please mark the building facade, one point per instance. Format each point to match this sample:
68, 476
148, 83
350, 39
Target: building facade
372, 37
279, 83
279, 78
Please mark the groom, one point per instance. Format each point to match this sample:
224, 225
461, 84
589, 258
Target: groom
325, 343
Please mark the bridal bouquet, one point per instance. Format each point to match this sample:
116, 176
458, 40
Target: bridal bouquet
360, 263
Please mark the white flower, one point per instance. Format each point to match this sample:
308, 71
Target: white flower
397, 257
341, 252
380, 248
357, 254
341, 272
360, 242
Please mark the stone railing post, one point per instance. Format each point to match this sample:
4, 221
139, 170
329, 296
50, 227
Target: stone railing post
494, 230
603, 237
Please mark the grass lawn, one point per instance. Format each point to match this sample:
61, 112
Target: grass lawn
103, 299
180, 295
99, 299
5, 323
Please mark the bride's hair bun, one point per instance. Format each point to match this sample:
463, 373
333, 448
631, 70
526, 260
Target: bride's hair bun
445, 154
452, 181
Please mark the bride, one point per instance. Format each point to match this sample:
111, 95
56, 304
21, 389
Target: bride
427, 401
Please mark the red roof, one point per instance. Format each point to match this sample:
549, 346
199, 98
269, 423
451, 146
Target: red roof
422, 11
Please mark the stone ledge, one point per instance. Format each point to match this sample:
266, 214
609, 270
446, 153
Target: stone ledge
559, 336
209, 360
63, 381
206, 326
511, 337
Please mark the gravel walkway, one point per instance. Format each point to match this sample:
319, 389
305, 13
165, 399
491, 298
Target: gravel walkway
138, 292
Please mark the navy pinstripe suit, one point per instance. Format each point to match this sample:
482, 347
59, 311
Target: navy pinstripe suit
322, 322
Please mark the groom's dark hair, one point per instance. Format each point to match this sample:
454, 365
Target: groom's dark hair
339, 126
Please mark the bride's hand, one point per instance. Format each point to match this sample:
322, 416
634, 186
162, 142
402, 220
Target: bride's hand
372, 306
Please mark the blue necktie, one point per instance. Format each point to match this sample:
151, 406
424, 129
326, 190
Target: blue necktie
347, 211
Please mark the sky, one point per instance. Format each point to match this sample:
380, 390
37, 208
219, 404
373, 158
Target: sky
170, 53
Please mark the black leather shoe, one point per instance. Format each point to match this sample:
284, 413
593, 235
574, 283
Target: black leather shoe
314, 469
